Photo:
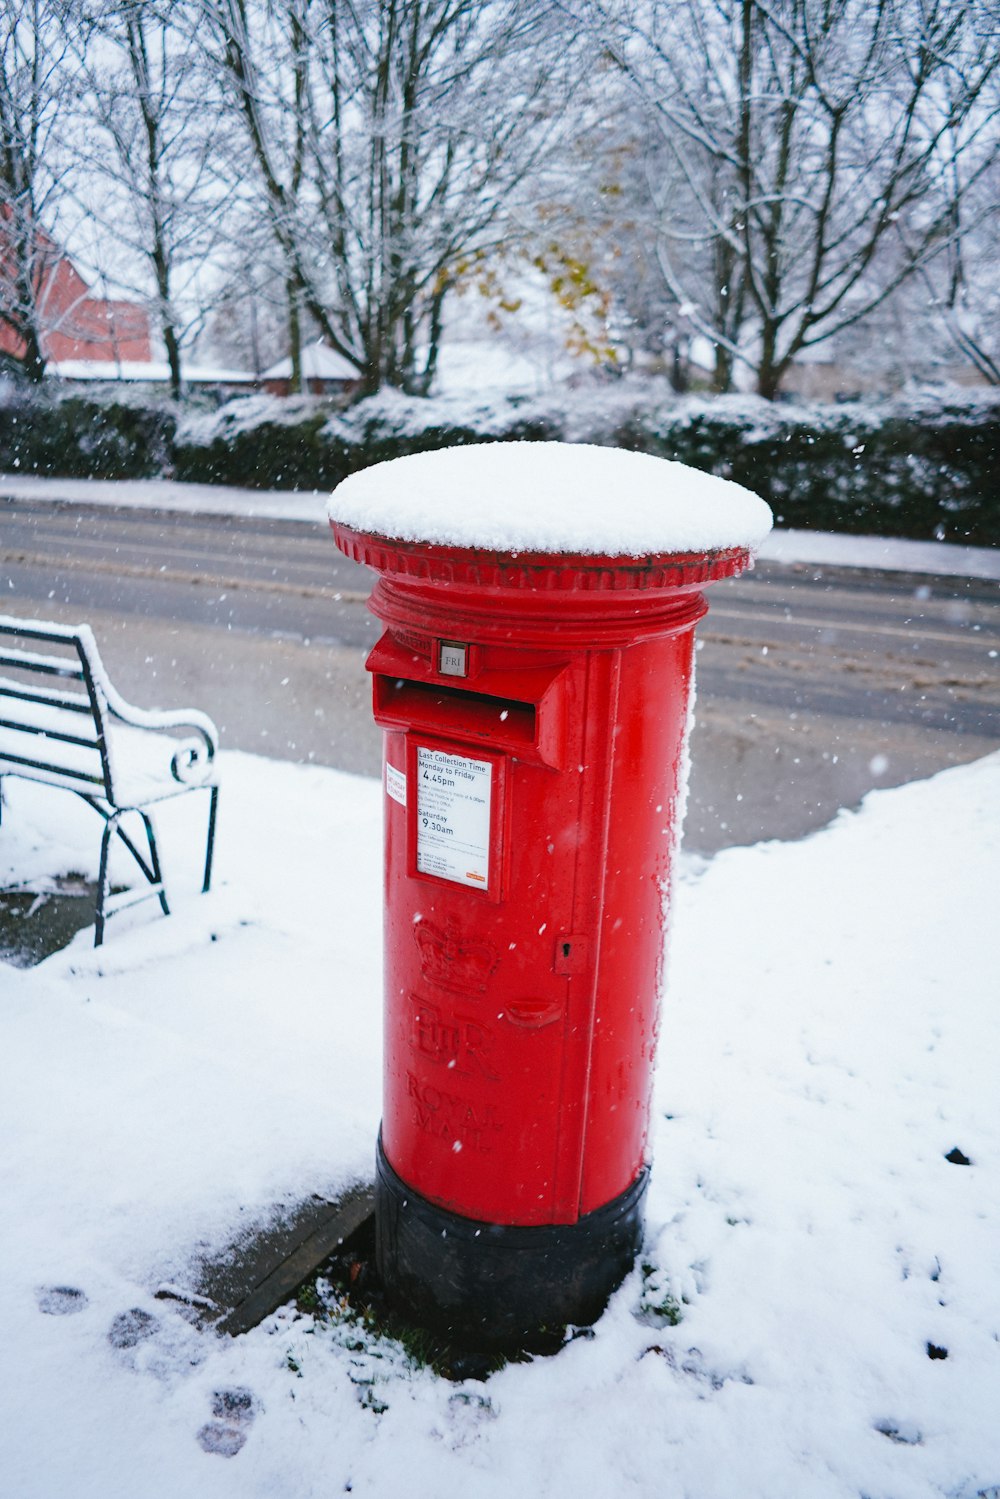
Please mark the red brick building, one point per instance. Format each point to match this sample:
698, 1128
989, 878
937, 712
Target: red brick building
73, 323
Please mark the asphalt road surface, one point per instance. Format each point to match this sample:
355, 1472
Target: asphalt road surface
815, 683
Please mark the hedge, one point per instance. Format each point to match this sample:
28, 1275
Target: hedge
921, 466
259, 442
85, 436
271, 443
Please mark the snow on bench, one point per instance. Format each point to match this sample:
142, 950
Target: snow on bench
58, 724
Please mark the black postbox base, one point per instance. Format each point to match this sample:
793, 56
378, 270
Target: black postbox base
496, 1285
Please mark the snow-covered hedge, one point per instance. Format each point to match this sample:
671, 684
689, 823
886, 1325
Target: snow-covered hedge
270, 442
259, 442
86, 436
918, 466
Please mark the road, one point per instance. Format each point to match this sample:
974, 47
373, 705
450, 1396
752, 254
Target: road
815, 683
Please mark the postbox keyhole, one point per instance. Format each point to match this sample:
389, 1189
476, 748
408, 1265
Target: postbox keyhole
570, 954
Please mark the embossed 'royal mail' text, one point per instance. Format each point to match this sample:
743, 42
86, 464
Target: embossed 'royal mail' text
452, 1117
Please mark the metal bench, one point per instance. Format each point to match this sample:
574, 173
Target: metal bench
69, 737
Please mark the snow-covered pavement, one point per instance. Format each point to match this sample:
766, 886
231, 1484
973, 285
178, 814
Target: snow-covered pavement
831, 1035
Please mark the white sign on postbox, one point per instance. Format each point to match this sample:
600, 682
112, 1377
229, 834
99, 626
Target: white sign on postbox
454, 796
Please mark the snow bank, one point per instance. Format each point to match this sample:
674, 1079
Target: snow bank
551, 497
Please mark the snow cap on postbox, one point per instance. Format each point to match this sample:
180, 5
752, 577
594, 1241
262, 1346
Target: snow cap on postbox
551, 497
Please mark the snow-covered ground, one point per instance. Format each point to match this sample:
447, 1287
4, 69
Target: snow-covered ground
830, 1036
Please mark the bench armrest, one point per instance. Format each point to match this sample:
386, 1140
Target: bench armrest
191, 763
193, 756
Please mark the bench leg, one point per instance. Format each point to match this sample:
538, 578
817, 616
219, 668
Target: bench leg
103, 879
152, 871
210, 841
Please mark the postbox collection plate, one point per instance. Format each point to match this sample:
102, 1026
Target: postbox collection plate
456, 814
454, 799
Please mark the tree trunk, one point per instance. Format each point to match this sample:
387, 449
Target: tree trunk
161, 269
173, 358
254, 340
32, 360
423, 381
295, 384
769, 378
770, 368
722, 374
24, 321
371, 378
679, 371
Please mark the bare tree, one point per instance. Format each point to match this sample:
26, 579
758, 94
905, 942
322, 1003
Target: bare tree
262, 54
389, 138
247, 325
963, 284
34, 45
148, 152
815, 150
248, 320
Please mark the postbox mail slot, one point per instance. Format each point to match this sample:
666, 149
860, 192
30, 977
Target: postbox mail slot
451, 713
522, 712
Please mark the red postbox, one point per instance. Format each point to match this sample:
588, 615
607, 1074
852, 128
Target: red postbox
533, 683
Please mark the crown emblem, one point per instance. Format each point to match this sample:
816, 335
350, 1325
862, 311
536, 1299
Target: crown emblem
451, 963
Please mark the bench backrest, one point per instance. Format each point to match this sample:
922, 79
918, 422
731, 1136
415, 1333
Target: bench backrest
53, 709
